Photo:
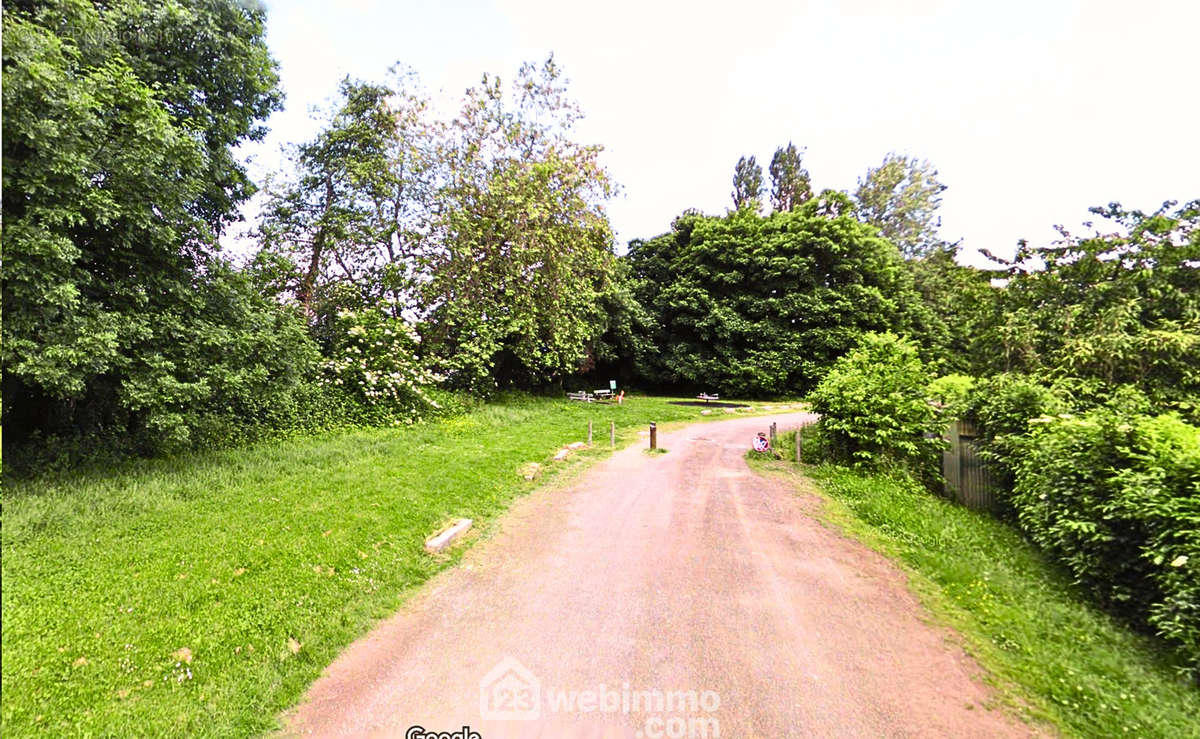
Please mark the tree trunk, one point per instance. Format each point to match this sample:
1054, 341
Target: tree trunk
307, 285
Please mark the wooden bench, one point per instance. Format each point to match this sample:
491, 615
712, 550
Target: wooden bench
602, 396
706, 397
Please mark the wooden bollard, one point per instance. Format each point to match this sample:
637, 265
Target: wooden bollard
589, 432
653, 435
612, 434
773, 436
799, 433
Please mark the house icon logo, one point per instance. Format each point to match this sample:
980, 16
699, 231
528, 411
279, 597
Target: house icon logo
510, 692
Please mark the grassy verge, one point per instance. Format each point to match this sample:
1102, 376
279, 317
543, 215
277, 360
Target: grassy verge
1052, 654
202, 594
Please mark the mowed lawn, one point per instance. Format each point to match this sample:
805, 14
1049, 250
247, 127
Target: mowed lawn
202, 594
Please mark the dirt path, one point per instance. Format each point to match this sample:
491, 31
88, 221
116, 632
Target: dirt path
687, 595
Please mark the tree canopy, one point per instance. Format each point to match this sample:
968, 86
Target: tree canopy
118, 175
349, 223
901, 198
487, 232
1117, 308
515, 293
752, 305
790, 185
747, 184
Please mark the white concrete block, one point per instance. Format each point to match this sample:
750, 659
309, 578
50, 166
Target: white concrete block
438, 542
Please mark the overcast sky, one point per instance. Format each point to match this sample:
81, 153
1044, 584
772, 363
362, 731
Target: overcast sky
1031, 110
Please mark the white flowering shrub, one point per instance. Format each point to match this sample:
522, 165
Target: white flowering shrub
374, 357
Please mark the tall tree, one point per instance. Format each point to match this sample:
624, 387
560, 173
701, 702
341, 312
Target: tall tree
747, 185
753, 305
350, 223
790, 185
515, 291
489, 232
118, 175
210, 68
901, 198
959, 300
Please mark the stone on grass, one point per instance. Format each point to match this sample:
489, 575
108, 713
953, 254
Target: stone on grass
444, 538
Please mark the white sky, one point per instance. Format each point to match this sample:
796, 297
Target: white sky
1031, 111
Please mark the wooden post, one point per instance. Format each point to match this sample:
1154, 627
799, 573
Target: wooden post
589, 432
799, 432
773, 439
653, 435
612, 434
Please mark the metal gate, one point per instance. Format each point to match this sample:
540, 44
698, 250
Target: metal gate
967, 479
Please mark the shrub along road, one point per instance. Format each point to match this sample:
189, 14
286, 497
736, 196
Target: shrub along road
652, 574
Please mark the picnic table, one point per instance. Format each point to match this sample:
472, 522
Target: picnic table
596, 396
706, 397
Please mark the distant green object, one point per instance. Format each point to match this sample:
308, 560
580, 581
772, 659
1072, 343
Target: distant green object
612, 385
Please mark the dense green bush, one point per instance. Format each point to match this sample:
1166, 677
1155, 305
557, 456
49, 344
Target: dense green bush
1117, 500
873, 406
183, 377
951, 392
1003, 404
122, 322
1001, 407
1110, 491
371, 375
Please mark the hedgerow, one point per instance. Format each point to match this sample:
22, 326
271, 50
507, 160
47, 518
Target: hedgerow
1111, 491
1001, 407
1117, 501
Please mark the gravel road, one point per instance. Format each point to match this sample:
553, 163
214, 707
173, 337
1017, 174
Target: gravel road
672, 595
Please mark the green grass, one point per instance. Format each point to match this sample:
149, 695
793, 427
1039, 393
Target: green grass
1051, 654
241, 556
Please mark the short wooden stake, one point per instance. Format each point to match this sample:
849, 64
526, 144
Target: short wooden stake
773, 437
589, 432
612, 434
799, 432
653, 435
